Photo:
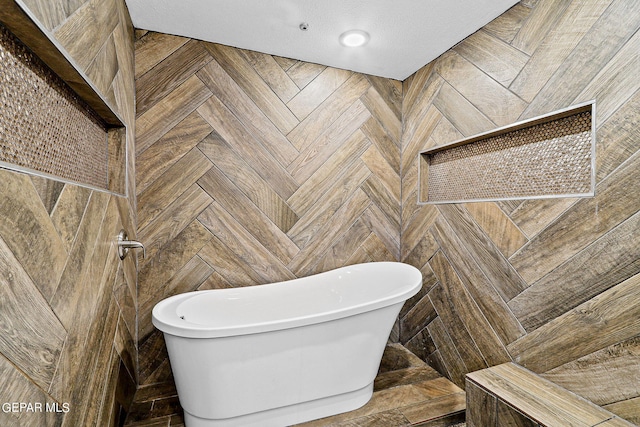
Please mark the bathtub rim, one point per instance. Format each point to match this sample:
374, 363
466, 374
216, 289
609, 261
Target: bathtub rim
165, 318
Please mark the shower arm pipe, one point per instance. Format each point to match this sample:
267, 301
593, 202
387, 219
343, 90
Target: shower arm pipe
124, 245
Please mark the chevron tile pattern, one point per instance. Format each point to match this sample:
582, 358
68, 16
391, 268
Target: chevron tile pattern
68, 304
256, 169
551, 285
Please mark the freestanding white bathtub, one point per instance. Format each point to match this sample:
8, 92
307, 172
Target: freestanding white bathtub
283, 353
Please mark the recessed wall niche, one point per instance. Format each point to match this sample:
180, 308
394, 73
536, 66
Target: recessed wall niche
47, 129
549, 156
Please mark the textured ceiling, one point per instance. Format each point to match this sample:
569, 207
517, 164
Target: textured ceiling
405, 34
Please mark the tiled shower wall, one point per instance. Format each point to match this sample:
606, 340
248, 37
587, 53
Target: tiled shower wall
68, 303
552, 284
255, 169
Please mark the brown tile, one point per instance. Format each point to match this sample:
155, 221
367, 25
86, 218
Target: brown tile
383, 419
407, 376
435, 408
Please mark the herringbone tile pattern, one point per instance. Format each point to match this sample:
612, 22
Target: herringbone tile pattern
549, 284
255, 169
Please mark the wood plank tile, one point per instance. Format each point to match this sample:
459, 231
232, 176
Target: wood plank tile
613, 84
389, 149
615, 201
384, 228
383, 113
493, 306
332, 193
507, 25
606, 262
104, 66
285, 63
502, 108
616, 138
540, 21
253, 85
243, 142
435, 408
498, 226
615, 313
68, 212
463, 306
244, 245
163, 116
533, 216
48, 190
376, 249
252, 185
316, 92
83, 34
390, 91
420, 315
509, 417
32, 337
460, 112
411, 147
170, 185
68, 295
248, 113
340, 252
413, 229
187, 279
153, 48
312, 158
492, 263
464, 344
156, 159
303, 135
273, 74
413, 86
481, 406
38, 247
162, 79
616, 364
627, 409
554, 49
609, 33
173, 219
423, 251
384, 200
247, 213
19, 388
302, 262
499, 60
555, 397
228, 265
455, 366
302, 73
175, 255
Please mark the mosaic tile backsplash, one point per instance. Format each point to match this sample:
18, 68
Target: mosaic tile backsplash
550, 159
44, 125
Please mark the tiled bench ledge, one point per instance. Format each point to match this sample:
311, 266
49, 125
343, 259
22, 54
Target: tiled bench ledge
510, 395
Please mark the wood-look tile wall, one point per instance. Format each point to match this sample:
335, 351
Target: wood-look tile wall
551, 285
255, 169
68, 303
98, 35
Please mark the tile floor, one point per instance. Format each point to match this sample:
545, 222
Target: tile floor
407, 392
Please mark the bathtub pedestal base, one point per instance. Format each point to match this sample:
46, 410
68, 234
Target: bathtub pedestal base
293, 414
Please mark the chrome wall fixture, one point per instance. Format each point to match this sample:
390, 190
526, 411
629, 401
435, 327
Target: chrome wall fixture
124, 245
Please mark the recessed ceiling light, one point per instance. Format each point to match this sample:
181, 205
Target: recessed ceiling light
354, 38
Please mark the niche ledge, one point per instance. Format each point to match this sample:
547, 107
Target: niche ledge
549, 156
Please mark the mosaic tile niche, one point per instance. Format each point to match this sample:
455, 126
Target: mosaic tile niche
44, 126
546, 157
